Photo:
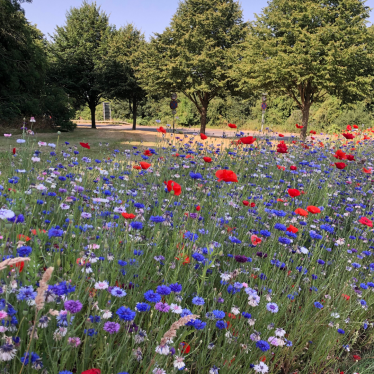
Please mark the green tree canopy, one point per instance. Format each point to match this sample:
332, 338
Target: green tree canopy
192, 56
119, 66
22, 62
306, 49
77, 52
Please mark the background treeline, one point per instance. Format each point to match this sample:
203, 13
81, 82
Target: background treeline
313, 59
26, 87
329, 117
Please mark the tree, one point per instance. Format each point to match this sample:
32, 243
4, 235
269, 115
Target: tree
307, 49
192, 56
77, 52
22, 62
119, 66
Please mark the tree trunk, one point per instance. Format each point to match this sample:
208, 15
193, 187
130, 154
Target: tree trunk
203, 114
134, 113
93, 116
305, 111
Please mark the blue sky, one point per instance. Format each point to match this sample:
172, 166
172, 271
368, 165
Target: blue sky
147, 15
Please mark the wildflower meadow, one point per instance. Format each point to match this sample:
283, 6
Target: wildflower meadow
201, 255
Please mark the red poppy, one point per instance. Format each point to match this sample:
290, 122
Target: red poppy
161, 129
198, 208
293, 229
263, 358
186, 260
174, 186
346, 296
292, 167
281, 167
366, 221
301, 212
348, 136
299, 126
226, 176
293, 192
185, 348
147, 152
137, 167
340, 165
14, 151
312, 132
255, 240
232, 126
128, 215
367, 171
313, 209
252, 205
207, 159
145, 165
349, 128
85, 145
24, 237
247, 140
34, 232
351, 158
19, 265
357, 357
245, 202
92, 371
203, 137
282, 147
340, 155
355, 126
281, 135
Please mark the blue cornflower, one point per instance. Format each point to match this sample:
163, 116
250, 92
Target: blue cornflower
265, 233
125, 314
321, 262
340, 331
234, 240
327, 228
185, 312
55, 233
195, 175
284, 240
263, 345
246, 315
24, 251
221, 325
314, 235
198, 257
272, 307
279, 226
157, 219
198, 301
118, 292
176, 287
318, 305
26, 293
152, 297
198, 325
136, 225
163, 290
142, 307
218, 314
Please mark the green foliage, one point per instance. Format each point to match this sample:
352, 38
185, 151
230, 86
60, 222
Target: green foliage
22, 63
306, 49
192, 56
118, 66
77, 53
